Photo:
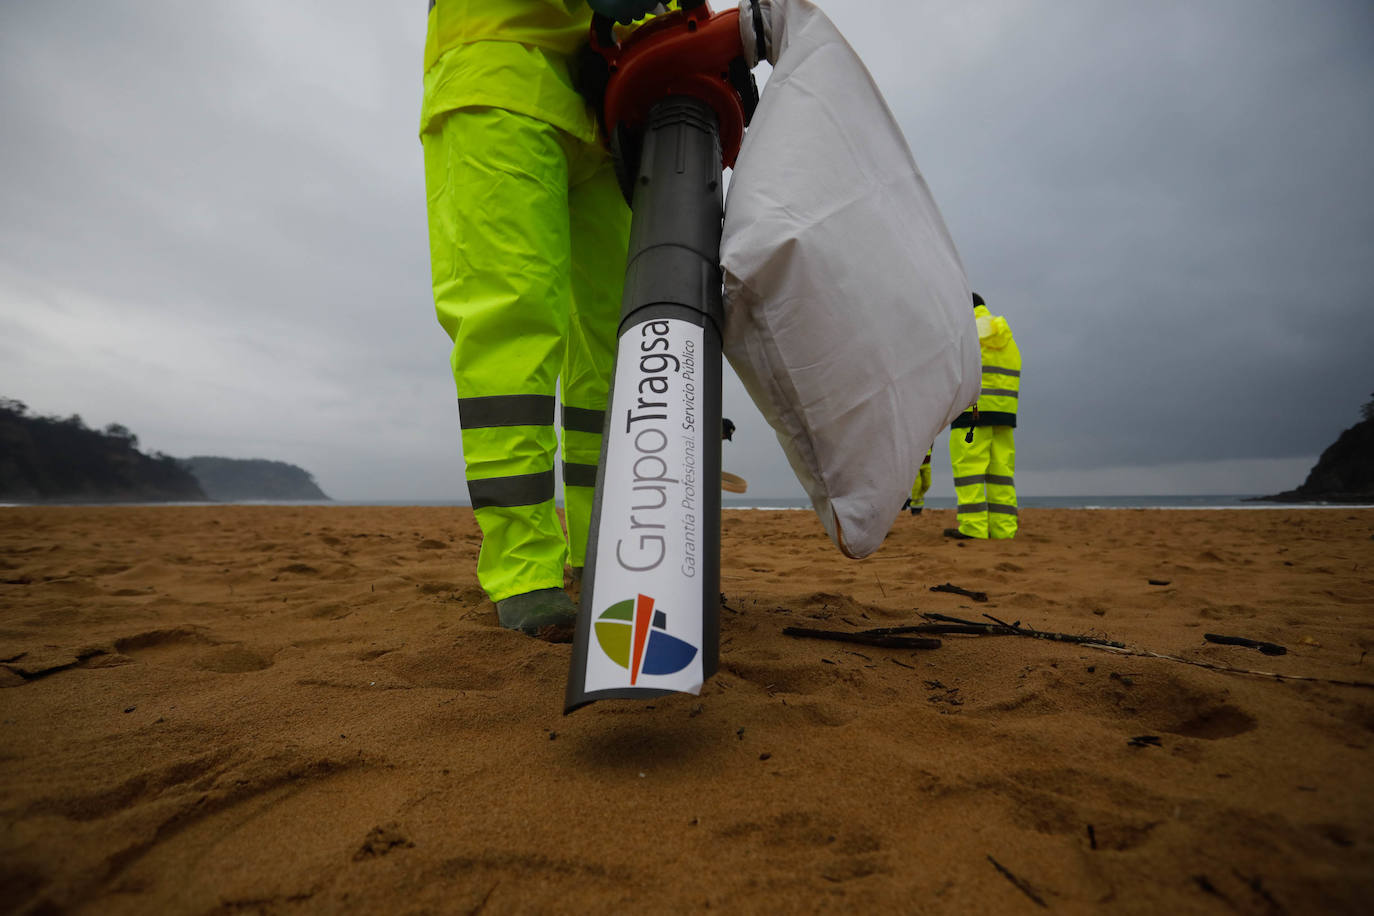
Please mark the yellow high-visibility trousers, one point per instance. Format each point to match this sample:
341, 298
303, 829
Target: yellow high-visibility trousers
985, 480
922, 485
528, 233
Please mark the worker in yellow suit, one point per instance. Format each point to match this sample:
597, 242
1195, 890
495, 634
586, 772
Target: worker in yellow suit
982, 448
917, 501
528, 233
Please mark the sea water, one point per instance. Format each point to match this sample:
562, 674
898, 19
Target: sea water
1222, 501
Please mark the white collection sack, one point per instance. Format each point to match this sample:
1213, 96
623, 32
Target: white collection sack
848, 314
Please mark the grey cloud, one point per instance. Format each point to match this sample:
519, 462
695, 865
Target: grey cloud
212, 225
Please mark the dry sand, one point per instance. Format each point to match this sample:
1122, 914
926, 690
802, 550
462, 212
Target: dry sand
281, 710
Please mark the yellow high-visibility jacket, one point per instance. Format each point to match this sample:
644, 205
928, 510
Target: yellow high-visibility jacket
1001, 373
509, 54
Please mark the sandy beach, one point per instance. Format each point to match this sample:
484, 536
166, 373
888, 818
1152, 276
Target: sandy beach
312, 710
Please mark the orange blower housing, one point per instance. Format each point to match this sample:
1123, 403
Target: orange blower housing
688, 52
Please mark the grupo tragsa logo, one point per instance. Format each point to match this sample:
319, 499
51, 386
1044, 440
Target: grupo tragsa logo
634, 636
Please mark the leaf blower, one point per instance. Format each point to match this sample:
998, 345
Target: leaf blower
674, 98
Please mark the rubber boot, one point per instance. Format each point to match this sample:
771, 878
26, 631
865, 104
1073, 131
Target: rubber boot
532, 611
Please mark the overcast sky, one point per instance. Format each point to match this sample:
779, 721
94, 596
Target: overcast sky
212, 230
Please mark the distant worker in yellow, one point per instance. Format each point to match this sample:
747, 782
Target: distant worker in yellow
982, 449
528, 232
917, 501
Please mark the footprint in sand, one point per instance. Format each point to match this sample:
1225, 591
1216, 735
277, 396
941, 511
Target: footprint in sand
1136, 703
1221, 721
1162, 703
846, 851
233, 660
145, 786
161, 640
1109, 813
167, 644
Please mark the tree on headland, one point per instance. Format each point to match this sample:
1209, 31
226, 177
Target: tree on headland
52, 458
119, 431
1345, 470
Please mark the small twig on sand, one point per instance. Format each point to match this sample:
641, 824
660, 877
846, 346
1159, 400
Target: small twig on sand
1002, 628
1021, 886
482, 904
971, 629
1268, 648
1146, 653
946, 617
1207, 887
956, 590
867, 639
1256, 885
894, 638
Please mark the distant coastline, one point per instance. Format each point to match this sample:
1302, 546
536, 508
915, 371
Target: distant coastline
1343, 474
1221, 502
60, 460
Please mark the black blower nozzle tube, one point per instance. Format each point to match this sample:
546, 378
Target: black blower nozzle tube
649, 617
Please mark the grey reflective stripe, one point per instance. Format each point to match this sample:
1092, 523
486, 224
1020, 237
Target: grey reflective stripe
582, 420
579, 475
973, 507
998, 393
1002, 508
972, 478
1002, 481
517, 490
1002, 371
506, 410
